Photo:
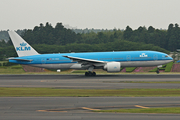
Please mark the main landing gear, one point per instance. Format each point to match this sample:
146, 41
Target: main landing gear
90, 73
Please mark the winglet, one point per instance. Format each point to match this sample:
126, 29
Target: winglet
21, 46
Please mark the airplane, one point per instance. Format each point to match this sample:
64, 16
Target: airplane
108, 61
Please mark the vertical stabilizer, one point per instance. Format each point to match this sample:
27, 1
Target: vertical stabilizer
21, 46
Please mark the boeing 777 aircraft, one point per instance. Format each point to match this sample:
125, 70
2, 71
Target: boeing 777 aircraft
109, 61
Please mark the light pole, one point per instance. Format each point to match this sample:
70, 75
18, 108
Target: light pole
178, 50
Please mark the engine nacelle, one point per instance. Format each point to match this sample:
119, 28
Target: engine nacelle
113, 67
58, 70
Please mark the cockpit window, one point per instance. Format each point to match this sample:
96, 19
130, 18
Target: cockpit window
167, 56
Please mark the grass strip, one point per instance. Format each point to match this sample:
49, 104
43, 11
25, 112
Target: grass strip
168, 67
130, 69
174, 110
47, 92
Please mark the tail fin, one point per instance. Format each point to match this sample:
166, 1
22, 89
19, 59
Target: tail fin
21, 46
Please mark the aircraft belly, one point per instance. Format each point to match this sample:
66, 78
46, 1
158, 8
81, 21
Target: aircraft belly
76, 66
123, 64
57, 66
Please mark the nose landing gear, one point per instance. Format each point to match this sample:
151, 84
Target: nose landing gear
157, 71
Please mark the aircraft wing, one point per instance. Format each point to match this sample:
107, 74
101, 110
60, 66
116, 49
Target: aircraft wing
85, 61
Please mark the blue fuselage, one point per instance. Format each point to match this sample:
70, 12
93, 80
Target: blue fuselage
127, 59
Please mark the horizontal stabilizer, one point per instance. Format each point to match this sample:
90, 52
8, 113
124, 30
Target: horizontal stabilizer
24, 60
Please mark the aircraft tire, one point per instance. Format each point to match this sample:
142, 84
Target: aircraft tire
90, 74
157, 71
86, 74
94, 74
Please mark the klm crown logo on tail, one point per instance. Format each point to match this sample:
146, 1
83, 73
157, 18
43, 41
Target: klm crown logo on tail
23, 47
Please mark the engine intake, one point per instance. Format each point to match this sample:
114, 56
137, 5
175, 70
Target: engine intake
113, 67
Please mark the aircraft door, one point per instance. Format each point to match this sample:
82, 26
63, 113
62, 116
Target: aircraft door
163, 57
43, 60
128, 57
155, 57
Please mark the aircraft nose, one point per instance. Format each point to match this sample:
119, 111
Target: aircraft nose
171, 58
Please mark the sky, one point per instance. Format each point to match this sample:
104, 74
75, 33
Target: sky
97, 14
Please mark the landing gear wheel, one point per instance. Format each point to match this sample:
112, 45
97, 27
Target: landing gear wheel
157, 71
94, 74
86, 74
90, 74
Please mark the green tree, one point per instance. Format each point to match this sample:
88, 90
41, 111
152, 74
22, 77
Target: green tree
127, 33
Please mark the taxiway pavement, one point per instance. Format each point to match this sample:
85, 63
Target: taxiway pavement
83, 82
68, 108
77, 108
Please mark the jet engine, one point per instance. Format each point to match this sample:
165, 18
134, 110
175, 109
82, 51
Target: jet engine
113, 67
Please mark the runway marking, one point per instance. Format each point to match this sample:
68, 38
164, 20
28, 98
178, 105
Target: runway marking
50, 111
141, 106
89, 108
56, 110
43, 80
